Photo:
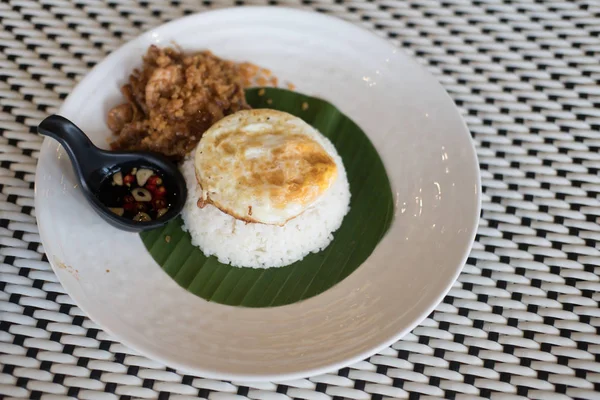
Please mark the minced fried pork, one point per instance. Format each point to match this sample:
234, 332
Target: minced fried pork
173, 99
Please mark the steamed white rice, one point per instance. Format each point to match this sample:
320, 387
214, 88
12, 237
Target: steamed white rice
255, 245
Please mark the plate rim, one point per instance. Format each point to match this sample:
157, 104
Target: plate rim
251, 377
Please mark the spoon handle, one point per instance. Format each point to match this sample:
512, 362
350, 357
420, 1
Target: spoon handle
84, 155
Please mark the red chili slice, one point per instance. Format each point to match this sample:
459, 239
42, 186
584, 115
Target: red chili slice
154, 180
128, 179
161, 191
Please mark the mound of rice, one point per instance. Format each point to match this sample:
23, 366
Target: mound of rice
255, 245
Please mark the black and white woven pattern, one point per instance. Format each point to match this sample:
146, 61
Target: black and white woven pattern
522, 321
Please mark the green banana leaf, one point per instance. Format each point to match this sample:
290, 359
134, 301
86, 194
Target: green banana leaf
370, 216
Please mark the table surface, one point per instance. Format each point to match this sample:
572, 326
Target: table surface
522, 321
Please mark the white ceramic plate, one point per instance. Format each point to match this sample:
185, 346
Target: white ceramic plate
420, 136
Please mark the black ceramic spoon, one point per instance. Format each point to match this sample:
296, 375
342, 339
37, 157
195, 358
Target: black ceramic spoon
93, 166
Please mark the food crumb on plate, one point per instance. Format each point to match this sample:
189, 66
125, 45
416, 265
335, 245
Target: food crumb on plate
108, 270
167, 238
261, 92
68, 268
304, 106
269, 101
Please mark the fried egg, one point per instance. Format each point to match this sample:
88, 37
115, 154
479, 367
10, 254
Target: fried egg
263, 166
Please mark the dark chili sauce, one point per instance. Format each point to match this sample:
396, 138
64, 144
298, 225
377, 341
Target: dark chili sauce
138, 193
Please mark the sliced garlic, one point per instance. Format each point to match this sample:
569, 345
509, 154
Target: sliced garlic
117, 210
118, 179
142, 176
141, 194
142, 217
161, 212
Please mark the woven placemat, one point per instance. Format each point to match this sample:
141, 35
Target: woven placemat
522, 321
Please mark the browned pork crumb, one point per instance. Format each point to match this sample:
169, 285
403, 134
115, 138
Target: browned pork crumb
253, 75
174, 98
